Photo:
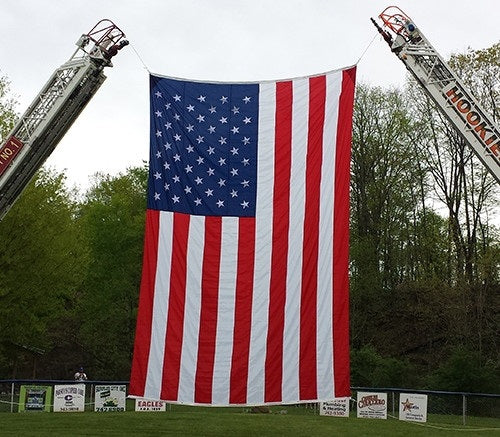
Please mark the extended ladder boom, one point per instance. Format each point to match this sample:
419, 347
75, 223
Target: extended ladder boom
443, 86
54, 110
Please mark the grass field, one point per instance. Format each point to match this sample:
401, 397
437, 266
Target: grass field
184, 421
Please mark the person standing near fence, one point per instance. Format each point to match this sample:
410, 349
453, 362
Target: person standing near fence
80, 375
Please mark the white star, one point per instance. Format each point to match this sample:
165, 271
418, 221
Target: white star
200, 160
211, 150
209, 192
245, 161
200, 118
158, 154
168, 125
222, 140
245, 140
220, 203
190, 128
167, 186
157, 175
210, 171
190, 148
247, 120
198, 180
235, 110
158, 133
177, 157
223, 99
168, 105
221, 182
201, 98
190, 108
222, 161
168, 145
245, 183
234, 172
157, 196
211, 129
166, 165
223, 120
244, 204
176, 178
212, 109
177, 117
246, 99
197, 201
187, 190
158, 94
189, 169
200, 139
177, 137
234, 193
175, 199
177, 98
235, 130
158, 113
234, 151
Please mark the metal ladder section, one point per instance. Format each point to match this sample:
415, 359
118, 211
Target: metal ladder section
54, 110
443, 87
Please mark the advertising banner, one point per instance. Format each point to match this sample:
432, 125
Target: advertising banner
35, 398
69, 397
149, 405
339, 407
413, 407
372, 405
110, 398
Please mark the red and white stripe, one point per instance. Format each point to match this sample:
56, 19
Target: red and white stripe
249, 311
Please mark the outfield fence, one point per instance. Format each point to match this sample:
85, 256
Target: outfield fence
457, 406
443, 406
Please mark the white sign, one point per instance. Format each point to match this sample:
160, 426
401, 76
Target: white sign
339, 407
149, 405
413, 407
69, 397
110, 398
372, 405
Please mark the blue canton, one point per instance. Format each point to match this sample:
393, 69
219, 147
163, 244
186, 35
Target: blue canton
203, 147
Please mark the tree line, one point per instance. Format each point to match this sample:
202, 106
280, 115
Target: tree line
424, 253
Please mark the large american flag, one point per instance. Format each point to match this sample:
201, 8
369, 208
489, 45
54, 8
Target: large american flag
244, 295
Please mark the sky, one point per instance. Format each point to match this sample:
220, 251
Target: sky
220, 40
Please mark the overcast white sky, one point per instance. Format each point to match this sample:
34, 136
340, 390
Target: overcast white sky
233, 40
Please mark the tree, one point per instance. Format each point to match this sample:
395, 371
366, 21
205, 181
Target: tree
7, 108
460, 182
469, 196
112, 218
40, 271
388, 207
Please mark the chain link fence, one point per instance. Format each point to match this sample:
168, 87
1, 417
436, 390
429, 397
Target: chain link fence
459, 408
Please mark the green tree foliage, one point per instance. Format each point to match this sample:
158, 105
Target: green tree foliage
480, 70
7, 108
41, 264
424, 254
112, 219
465, 370
459, 181
370, 369
395, 237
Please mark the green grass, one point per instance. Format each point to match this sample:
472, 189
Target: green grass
185, 421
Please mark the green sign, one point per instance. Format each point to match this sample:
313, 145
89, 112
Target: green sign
35, 398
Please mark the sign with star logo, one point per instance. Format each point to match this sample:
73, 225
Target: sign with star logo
413, 407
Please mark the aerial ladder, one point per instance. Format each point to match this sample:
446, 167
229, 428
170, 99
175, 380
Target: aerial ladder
442, 85
55, 108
